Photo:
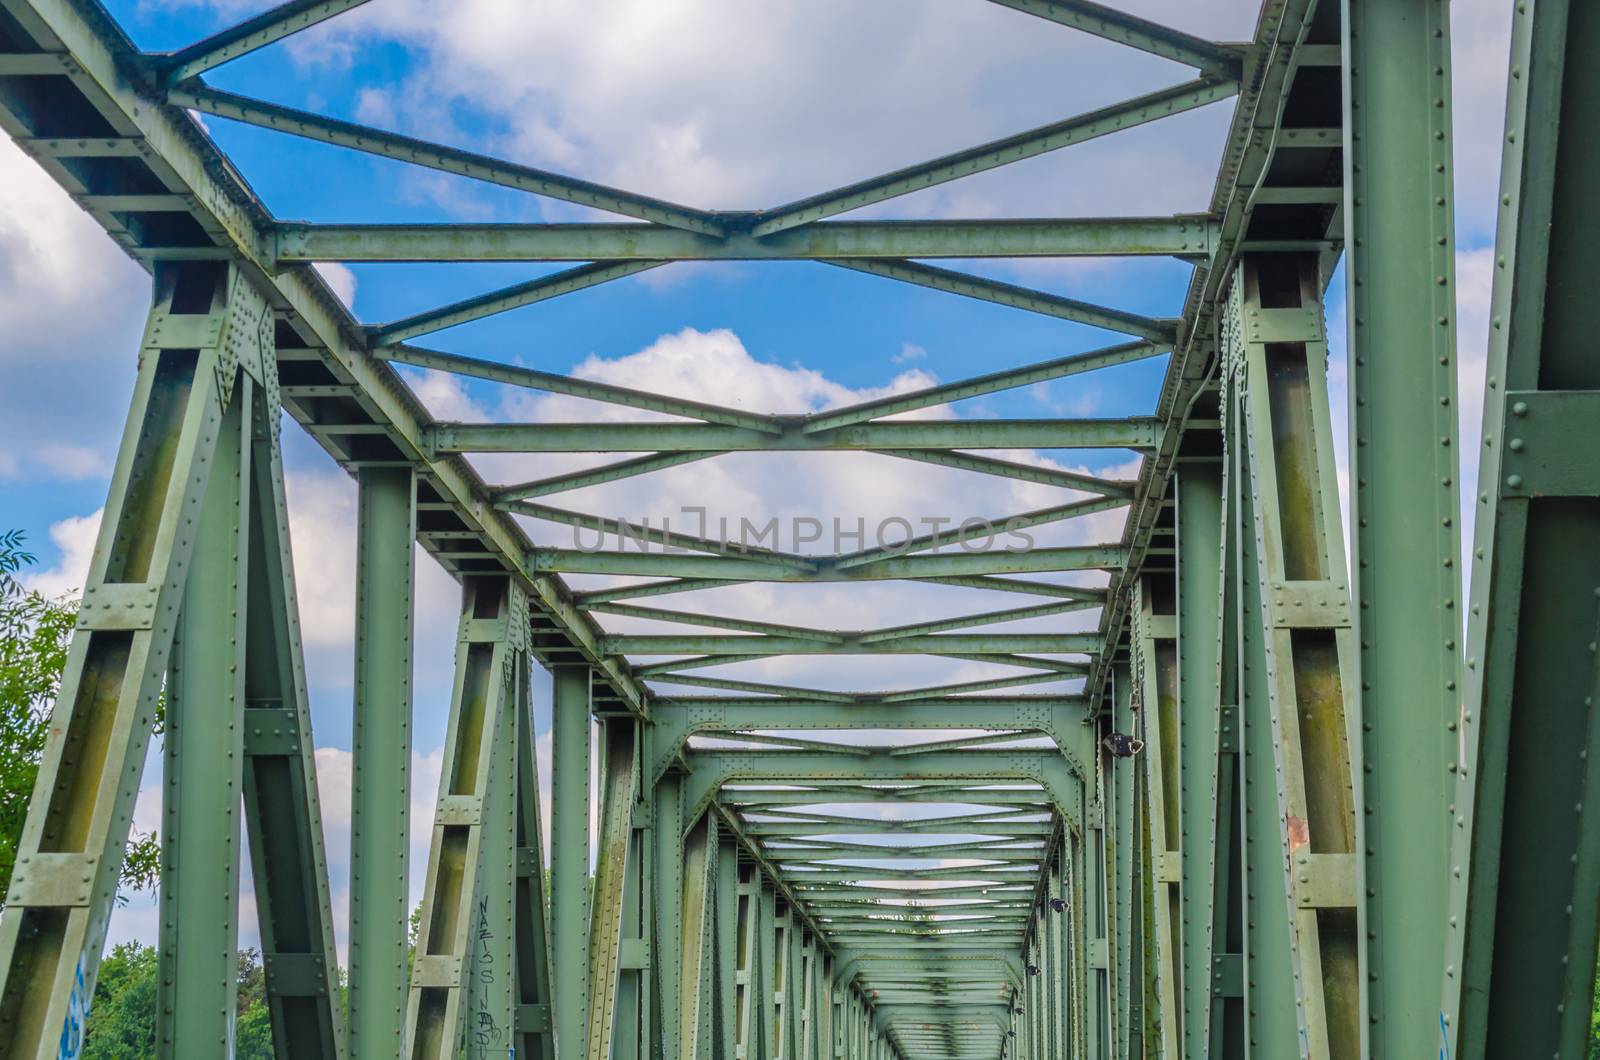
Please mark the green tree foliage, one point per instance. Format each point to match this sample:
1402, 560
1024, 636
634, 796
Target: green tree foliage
122, 1018
1594, 1022
35, 632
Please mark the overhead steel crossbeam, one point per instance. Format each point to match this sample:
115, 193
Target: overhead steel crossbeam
1070, 844
250, 35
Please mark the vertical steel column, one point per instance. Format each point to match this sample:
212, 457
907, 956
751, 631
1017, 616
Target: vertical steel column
767, 963
204, 752
1199, 516
788, 960
1072, 883
491, 996
725, 976
808, 997
614, 993
782, 1014
696, 990
671, 924
1098, 885
1520, 958
1227, 1023
386, 528
1271, 988
535, 1031
1275, 329
747, 971
462, 976
1400, 267
1145, 1013
571, 726
282, 812
203, 322
1056, 921
1156, 643
1121, 893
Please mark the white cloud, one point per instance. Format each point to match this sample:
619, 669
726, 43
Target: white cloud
340, 278
72, 461
75, 538
731, 105
55, 261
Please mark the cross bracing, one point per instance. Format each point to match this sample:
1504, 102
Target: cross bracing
1200, 785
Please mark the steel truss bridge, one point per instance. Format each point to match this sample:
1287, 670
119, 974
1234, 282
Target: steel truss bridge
1350, 830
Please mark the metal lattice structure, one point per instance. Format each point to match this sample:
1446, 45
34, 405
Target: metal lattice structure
1283, 813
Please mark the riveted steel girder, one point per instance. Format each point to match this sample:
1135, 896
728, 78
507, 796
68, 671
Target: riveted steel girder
1112, 237
1519, 961
271, 25
1405, 545
946, 869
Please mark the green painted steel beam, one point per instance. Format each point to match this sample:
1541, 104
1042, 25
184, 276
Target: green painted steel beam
1155, 674
505, 299
749, 568
1199, 589
977, 386
987, 618
271, 25
659, 614
776, 691
973, 795
1405, 545
986, 290
1075, 130
386, 520
203, 766
697, 662
967, 643
1135, 32
842, 636
1015, 470
357, 137
1272, 1009
571, 724
767, 740
555, 383
1519, 964
1029, 588
1187, 236
985, 529
1061, 787
613, 472
717, 438
467, 895
964, 688
964, 743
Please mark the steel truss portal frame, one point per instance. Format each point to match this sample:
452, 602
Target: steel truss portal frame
1281, 813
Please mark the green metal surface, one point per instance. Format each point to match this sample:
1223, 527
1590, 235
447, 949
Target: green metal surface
1520, 945
204, 752
962, 866
569, 852
462, 975
1276, 353
1199, 586
1405, 546
1111, 237
380, 834
271, 25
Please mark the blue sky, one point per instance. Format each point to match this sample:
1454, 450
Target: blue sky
714, 103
